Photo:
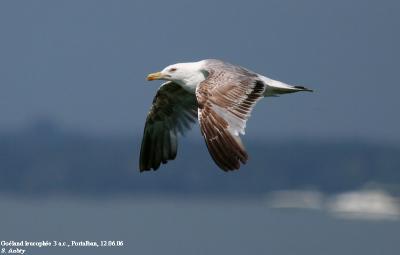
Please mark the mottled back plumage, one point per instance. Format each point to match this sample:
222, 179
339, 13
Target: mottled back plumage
225, 101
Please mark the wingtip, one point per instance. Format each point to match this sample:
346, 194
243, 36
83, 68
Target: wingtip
141, 170
147, 170
304, 88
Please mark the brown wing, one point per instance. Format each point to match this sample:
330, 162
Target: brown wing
225, 100
173, 111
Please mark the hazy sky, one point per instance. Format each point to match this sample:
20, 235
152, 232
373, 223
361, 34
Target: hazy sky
84, 63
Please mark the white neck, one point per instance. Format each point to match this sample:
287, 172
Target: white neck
191, 82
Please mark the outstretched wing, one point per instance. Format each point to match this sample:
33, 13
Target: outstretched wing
225, 101
173, 111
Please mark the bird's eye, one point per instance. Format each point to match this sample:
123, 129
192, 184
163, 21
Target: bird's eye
172, 69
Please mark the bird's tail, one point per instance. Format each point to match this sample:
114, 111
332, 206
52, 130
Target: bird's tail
275, 88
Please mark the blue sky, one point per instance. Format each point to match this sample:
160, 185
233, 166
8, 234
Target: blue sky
83, 63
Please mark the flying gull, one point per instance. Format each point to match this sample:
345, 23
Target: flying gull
220, 95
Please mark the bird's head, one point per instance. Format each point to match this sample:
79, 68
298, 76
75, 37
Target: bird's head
179, 73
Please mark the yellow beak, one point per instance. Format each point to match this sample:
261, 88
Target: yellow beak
154, 76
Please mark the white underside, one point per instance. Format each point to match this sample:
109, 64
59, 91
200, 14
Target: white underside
274, 86
190, 83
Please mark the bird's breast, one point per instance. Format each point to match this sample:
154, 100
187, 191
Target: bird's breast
190, 84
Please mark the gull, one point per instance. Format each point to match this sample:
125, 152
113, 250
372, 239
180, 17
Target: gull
219, 95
